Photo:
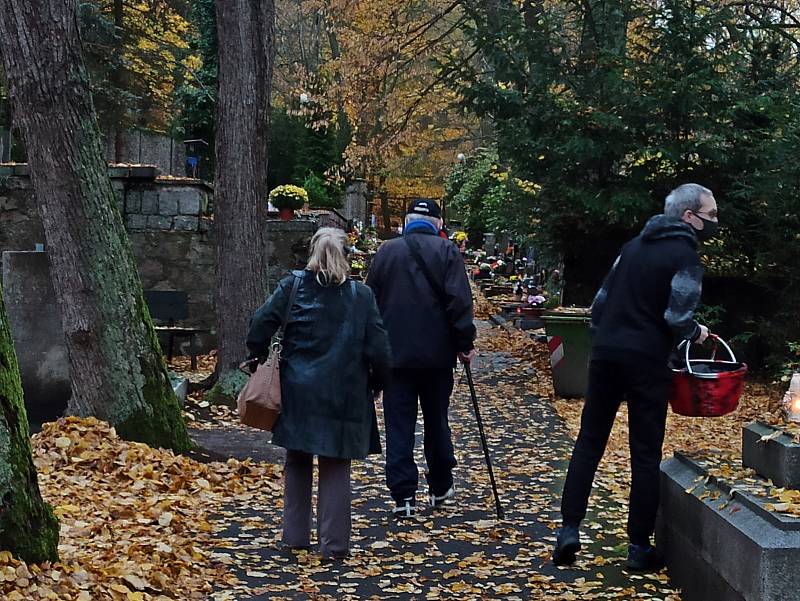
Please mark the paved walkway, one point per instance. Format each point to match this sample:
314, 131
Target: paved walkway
460, 551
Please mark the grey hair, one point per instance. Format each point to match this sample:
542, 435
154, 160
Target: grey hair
683, 198
328, 261
412, 217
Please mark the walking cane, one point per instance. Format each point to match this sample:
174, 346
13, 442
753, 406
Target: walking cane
499, 508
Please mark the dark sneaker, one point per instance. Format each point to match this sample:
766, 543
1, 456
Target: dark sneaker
567, 545
407, 508
439, 500
644, 558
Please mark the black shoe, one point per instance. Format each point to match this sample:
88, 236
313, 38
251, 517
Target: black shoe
407, 508
567, 545
644, 558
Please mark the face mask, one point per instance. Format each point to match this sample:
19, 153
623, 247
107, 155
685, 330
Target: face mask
709, 231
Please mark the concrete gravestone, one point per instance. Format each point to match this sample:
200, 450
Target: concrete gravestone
38, 337
722, 542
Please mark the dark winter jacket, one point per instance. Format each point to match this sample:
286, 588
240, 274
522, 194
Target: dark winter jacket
426, 329
647, 302
335, 354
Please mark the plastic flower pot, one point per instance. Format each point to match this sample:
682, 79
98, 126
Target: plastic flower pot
286, 214
570, 343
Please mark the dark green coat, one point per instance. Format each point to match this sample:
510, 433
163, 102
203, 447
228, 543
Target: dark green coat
335, 354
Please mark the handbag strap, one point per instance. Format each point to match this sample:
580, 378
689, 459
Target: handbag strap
287, 311
434, 284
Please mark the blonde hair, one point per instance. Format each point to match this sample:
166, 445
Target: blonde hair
328, 260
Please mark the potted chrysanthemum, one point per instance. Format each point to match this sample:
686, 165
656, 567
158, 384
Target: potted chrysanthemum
287, 199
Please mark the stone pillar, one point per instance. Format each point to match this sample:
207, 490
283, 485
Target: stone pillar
38, 338
355, 202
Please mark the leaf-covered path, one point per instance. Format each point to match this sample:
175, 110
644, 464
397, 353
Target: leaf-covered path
461, 550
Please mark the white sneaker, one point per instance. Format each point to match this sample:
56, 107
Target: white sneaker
405, 509
439, 500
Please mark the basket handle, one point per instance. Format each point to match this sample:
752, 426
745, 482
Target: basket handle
715, 339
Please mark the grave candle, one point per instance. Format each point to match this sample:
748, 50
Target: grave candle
792, 399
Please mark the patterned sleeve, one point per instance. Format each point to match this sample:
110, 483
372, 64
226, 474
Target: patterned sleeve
684, 297
599, 302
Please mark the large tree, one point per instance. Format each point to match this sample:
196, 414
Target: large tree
117, 370
28, 527
607, 105
246, 34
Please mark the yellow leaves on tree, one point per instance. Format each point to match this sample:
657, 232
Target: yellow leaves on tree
151, 50
373, 65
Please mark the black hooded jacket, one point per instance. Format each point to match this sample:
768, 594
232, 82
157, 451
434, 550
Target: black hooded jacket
425, 330
647, 302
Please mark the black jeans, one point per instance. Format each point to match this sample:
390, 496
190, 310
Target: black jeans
433, 388
646, 387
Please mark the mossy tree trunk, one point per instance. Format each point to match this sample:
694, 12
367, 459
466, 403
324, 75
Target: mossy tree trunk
28, 527
117, 370
246, 41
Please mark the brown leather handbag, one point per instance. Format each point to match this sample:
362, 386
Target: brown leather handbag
259, 402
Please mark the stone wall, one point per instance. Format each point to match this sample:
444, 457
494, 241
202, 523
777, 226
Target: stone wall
165, 206
168, 225
179, 260
144, 147
286, 244
171, 233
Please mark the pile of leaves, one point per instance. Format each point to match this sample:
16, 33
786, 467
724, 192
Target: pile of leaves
135, 521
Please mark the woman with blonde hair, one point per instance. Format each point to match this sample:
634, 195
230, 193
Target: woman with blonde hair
335, 359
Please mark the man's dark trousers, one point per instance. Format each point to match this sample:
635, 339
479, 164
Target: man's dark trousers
433, 388
645, 385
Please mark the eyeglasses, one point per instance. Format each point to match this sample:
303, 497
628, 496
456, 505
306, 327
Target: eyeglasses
713, 214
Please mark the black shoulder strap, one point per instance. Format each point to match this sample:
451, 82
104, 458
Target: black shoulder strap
292, 295
437, 288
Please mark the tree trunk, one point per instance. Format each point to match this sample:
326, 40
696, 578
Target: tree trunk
28, 527
246, 38
117, 370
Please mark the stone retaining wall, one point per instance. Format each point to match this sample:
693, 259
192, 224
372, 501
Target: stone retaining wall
170, 227
168, 223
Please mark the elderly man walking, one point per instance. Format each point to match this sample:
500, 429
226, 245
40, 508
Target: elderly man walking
426, 304
643, 310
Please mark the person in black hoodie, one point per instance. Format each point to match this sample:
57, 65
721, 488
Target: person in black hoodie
643, 310
425, 300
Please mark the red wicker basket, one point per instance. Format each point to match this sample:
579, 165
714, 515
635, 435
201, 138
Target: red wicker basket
708, 387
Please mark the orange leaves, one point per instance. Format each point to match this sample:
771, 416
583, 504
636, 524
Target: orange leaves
134, 520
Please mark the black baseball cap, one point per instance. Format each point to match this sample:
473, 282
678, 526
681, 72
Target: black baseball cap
425, 206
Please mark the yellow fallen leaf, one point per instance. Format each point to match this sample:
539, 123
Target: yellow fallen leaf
62, 442
256, 574
136, 582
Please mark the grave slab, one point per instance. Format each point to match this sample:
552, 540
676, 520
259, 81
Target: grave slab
775, 458
38, 337
720, 543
